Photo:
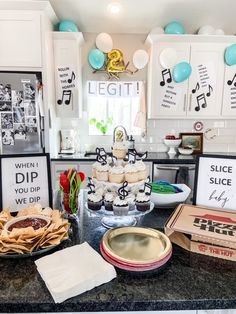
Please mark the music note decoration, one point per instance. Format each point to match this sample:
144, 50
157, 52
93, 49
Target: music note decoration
131, 157
165, 73
65, 98
147, 188
101, 156
210, 90
144, 156
230, 82
71, 78
122, 192
196, 88
91, 186
201, 101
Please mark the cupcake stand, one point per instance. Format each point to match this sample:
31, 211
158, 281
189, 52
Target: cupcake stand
108, 218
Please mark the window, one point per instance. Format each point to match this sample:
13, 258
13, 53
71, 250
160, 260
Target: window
113, 103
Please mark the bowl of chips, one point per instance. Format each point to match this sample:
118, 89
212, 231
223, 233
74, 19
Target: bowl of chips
28, 241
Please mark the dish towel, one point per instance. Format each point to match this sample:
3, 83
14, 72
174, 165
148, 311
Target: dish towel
74, 270
141, 116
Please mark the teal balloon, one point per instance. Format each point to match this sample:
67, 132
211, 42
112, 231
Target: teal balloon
230, 55
96, 58
67, 26
181, 72
174, 28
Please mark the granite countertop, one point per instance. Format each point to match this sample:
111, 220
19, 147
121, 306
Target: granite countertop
189, 281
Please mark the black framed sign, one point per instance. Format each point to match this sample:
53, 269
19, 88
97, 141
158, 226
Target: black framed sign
215, 181
25, 179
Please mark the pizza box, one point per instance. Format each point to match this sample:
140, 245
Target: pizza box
204, 230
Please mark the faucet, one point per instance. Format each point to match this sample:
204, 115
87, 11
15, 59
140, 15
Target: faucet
119, 133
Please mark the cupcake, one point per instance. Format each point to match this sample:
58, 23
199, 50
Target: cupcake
108, 200
142, 171
116, 174
142, 202
102, 172
119, 150
131, 201
131, 173
94, 201
120, 206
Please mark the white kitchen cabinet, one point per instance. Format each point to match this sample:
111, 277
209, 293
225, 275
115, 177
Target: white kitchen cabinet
206, 80
201, 94
20, 35
229, 92
68, 74
165, 97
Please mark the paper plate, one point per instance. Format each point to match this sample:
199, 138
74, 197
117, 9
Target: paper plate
135, 268
136, 245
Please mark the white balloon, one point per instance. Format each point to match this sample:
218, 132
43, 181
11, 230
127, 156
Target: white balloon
157, 30
168, 58
104, 42
219, 32
206, 30
140, 58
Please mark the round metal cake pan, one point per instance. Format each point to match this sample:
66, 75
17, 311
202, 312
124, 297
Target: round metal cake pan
136, 245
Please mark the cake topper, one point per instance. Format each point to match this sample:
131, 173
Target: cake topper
91, 186
113, 160
144, 156
147, 188
101, 156
122, 192
148, 179
131, 157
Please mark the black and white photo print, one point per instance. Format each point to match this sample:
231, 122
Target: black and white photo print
7, 120
8, 137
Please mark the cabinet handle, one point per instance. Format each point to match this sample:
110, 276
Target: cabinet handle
190, 102
185, 102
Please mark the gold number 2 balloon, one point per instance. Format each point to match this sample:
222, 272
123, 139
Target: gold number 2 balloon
115, 61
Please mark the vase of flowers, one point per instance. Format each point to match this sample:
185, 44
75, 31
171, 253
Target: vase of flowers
70, 184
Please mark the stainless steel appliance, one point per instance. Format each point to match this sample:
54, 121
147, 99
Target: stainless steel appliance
176, 173
21, 113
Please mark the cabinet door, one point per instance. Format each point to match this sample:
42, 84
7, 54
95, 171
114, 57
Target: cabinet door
165, 97
20, 39
229, 92
206, 80
68, 78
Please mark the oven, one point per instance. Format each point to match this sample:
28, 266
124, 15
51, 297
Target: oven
176, 173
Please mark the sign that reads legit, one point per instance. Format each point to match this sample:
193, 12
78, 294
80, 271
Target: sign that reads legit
215, 182
113, 89
25, 180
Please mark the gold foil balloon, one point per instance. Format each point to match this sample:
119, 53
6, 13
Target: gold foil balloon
115, 61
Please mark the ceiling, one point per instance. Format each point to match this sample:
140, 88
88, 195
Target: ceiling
141, 16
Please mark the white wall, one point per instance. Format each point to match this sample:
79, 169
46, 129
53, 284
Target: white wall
225, 141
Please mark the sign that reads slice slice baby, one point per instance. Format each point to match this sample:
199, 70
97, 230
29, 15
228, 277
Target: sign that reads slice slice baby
25, 180
216, 181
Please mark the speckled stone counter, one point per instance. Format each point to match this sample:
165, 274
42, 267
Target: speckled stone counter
189, 281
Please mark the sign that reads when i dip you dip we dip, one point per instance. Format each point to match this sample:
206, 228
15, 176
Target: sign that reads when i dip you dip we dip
25, 179
215, 182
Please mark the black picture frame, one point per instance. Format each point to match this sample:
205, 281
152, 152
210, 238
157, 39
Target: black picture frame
218, 190
43, 160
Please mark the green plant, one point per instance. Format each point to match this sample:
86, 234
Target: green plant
102, 125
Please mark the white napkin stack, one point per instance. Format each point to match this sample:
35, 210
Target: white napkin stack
74, 270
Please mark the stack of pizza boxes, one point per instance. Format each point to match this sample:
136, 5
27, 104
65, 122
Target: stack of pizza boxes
204, 230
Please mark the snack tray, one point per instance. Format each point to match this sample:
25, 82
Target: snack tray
34, 253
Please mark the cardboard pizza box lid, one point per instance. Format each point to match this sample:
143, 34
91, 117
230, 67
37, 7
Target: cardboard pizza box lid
202, 224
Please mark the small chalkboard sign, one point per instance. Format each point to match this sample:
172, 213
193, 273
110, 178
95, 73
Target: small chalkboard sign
25, 179
215, 181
